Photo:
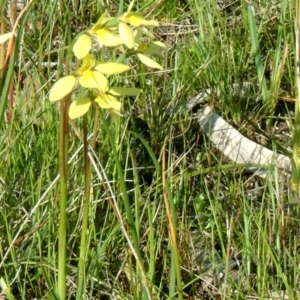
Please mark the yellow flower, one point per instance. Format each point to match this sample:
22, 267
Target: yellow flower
87, 78
106, 100
88, 63
145, 50
81, 106
151, 48
136, 20
109, 101
104, 36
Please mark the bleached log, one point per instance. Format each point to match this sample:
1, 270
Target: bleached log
238, 148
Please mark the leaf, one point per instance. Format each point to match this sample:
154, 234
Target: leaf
147, 33
6, 36
82, 46
149, 62
108, 38
111, 68
138, 34
154, 48
79, 107
108, 102
61, 88
94, 80
126, 35
118, 91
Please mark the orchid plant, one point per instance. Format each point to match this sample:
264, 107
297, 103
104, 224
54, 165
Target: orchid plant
129, 36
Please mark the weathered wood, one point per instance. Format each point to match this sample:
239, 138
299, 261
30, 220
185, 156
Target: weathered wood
238, 148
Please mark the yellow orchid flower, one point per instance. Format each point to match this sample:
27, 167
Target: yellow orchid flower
88, 63
106, 100
136, 20
145, 50
104, 36
65, 85
109, 101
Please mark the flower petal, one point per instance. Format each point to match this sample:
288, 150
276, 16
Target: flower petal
111, 68
6, 36
79, 107
94, 80
108, 38
88, 63
108, 102
118, 91
100, 23
137, 20
82, 46
149, 62
62, 87
126, 35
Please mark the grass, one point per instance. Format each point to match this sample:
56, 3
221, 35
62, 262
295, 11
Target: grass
236, 234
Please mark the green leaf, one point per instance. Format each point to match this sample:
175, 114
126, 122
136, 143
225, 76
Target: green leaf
82, 46
126, 35
62, 87
111, 68
94, 80
108, 102
118, 91
149, 62
138, 34
79, 107
4, 37
154, 48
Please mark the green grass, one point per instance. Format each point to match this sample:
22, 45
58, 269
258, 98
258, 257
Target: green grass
223, 214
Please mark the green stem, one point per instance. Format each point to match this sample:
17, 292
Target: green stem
296, 133
86, 205
63, 169
296, 152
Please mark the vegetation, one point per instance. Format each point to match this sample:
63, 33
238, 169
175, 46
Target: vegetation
217, 233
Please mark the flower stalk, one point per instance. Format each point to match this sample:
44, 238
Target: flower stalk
63, 170
296, 133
